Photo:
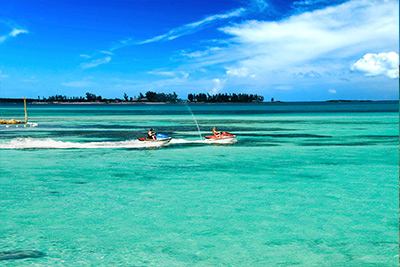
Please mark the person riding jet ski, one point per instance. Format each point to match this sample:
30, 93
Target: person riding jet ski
215, 132
220, 135
152, 135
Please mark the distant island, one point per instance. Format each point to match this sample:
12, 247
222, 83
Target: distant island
158, 98
148, 97
345, 101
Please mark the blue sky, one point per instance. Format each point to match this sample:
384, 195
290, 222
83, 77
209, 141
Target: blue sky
290, 50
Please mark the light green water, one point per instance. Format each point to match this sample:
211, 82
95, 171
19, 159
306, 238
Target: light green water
305, 185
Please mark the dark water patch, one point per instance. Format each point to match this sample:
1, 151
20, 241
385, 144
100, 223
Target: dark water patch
310, 176
105, 126
183, 145
79, 182
298, 135
339, 144
120, 175
54, 192
351, 122
256, 135
288, 263
20, 254
258, 187
274, 243
258, 144
378, 136
330, 163
192, 167
249, 121
140, 176
384, 243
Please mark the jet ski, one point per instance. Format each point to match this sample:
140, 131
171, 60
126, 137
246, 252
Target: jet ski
223, 135
160, 138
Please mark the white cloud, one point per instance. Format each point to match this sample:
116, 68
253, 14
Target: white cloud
84, 56
301, 38
3, 75
197, 54
379, 64
321, 41
240, 72
78, 84
31, 79
193, 27
13, 33
218, 85
170, 73
96, 62
106, 52
332, 91
308, 2
260, 4
283, 87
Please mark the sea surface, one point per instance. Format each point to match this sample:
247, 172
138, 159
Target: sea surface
306, 184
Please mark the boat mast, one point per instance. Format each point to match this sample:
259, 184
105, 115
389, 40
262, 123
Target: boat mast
26, 113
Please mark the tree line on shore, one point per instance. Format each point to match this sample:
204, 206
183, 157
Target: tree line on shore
151, 96
225, 98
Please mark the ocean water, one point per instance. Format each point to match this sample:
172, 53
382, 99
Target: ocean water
306, 184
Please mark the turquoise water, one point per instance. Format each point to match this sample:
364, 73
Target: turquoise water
307, 184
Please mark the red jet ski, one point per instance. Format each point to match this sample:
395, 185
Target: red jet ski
223, 135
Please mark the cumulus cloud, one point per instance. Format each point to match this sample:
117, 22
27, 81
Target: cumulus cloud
96, 62
239, 72
312, 43
218, 85
332, 91
345, 28
379, 64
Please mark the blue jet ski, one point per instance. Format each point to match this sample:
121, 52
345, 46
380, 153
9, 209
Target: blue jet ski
162, 138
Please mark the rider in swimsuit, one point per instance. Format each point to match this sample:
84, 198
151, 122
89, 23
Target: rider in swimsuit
151, 135
215, 132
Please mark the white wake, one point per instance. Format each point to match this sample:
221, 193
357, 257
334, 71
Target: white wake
205, 141
26, 143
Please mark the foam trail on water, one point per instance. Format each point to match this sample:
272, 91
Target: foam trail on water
206, 141
23, 143
26, 143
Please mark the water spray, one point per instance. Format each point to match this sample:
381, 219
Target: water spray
194, 118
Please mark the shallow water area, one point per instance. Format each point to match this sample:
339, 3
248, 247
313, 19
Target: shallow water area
309, 184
